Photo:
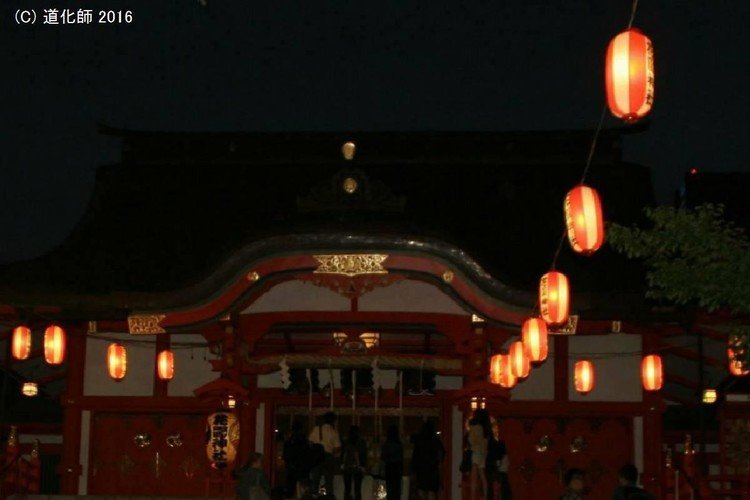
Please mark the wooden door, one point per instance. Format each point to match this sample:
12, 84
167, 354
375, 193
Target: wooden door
154, 455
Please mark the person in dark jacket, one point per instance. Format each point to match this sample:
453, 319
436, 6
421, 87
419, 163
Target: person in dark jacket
574, 484
628, 489
392, 455
353, 461
426, 461
296, 459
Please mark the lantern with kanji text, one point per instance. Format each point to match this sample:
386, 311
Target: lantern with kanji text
629, 75
584, 219
222, 439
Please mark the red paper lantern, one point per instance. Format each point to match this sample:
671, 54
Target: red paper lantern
54, 345
629, 75
117, 361
165, 365
21, 343
554, 297
652, 374
584, 219
501, 372
584, 376
736, 367
534, 337
519, 363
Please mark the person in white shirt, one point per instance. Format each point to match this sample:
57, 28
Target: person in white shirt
327, 435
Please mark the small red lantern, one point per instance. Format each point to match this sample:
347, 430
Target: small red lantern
554, 297
584, 219
584, 376
736, 367
165, 365
54, 345
534, 337
21, 343
117, 361
520, 363
629, 75
501, 372
652, 374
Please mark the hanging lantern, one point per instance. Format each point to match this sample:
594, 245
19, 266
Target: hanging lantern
165, 365
117, 361
520, 363
501, 372
534, 337
584, 376
629, 75
651, 372
21, 343
54, 345
30, 389
584, 219
554, 297
222, 439
736, 367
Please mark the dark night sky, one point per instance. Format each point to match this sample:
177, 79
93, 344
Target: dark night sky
384, 65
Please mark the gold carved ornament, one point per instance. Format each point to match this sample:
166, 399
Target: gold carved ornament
146, 324
351, 264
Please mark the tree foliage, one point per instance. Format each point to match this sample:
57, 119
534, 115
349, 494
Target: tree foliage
693, 257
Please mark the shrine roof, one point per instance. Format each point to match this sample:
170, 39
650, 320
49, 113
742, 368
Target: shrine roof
178, 206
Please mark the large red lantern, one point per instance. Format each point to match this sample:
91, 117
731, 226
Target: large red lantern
554, 297
501, 372
117, 361
54, 345
21, 343
165, 365
520, 364
534, 337
584, 376
584, 219
736, 367
629, 75
652, 374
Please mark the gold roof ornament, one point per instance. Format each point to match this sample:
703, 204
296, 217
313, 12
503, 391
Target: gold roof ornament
351, 264
145, 324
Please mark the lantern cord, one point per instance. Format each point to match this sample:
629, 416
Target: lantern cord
632, 14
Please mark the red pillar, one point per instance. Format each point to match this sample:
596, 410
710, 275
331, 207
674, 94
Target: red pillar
70, 467
653, 465
562, 372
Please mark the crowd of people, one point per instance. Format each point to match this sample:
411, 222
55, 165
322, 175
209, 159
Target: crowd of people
312, 460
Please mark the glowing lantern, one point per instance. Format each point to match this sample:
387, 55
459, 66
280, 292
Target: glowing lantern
520, 364
223, 439
584, 376
736, 367
30, 389
54, 345
21, 343
554, 297
501, 372
534, 337
165, 365
629, 75
584, 219
652, 375
117, 361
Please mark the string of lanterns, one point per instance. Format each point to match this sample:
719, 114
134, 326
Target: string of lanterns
629, 86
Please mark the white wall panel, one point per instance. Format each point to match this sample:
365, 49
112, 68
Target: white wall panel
190, 373
139, 380
409, 296
299, 296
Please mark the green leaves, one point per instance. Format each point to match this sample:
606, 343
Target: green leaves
693, 257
